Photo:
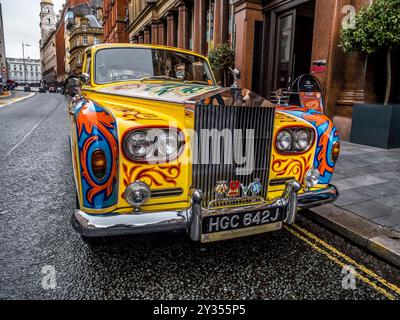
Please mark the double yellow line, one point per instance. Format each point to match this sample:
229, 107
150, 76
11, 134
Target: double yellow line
389, 290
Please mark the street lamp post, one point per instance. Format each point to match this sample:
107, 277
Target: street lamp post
23, 58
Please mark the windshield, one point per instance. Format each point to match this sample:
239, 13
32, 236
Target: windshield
123, 64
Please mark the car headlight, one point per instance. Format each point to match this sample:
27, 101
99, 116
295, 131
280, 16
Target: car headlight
137, 145
153, 145
284, 140
302, 139
167, 144
294, 140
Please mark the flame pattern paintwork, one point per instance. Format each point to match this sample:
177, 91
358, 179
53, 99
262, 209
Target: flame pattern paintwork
96, 130
291, 167
327, 135
154, 176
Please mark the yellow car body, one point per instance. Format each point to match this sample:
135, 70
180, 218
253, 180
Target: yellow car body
102, 116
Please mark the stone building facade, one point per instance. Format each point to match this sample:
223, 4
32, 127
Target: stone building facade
47, 42
29, 69
84, 29
79, 26
48, 59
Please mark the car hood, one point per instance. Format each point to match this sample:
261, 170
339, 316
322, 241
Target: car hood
169, 92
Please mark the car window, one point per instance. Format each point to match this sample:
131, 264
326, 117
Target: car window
121, 64
88, 62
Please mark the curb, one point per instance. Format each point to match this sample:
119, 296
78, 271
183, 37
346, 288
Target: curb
377, 239
18, 100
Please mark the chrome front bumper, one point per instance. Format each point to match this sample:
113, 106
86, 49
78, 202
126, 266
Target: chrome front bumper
190, 219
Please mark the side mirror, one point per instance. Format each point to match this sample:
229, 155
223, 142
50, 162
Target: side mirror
84, 78
73, 86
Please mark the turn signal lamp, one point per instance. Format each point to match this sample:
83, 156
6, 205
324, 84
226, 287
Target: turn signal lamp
335, 151
99, 164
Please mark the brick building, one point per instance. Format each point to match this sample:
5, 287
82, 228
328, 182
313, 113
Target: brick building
60, 45
114, 21
274, 41
197, 25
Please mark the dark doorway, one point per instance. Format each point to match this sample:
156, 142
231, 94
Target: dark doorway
289, 41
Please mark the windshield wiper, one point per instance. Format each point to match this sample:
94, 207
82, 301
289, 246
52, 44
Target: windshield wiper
160, 78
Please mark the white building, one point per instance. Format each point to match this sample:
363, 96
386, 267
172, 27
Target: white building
33, 70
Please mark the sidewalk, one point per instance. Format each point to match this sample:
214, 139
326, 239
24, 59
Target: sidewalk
15, 97
368, 209
369, 183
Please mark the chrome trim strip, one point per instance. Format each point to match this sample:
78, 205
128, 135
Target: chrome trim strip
189, 219
166, 192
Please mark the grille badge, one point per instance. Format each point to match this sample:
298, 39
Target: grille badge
256, 187
246, 189
221, 189
234, 189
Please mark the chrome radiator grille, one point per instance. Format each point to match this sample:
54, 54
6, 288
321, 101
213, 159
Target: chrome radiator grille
235, 119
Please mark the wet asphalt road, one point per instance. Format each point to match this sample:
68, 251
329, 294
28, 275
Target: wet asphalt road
37, 197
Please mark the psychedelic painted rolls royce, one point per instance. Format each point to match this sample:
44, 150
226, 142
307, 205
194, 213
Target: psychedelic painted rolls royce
158, 146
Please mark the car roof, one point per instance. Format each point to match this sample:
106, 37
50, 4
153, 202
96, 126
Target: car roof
146, 46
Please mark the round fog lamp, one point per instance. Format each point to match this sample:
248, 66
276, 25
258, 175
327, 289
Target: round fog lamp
137, 194
312, 178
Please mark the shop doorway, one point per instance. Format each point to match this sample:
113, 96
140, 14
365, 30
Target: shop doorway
289, 41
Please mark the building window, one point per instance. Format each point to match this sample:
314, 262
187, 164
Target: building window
232, 25
85, 40
191, 27
210, 23
84, 27
96, 40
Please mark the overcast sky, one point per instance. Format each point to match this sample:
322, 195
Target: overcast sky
21, 23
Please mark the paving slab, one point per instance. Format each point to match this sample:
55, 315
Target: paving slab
368, 208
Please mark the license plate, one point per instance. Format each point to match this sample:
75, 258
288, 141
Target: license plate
241, 224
